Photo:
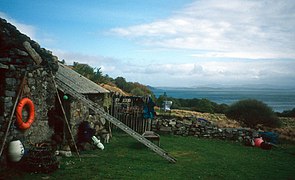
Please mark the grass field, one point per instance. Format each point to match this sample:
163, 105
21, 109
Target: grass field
125, 158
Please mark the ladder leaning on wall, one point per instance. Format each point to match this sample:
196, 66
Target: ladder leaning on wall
96, 108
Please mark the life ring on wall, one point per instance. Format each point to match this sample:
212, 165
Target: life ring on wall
19, 120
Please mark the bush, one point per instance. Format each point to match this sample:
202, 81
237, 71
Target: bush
137, 92
288, 113
252, 112
204, 106
220, 108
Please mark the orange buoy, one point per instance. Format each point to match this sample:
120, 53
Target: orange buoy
258, 141
19, 120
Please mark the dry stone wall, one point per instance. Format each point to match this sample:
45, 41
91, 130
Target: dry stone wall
200, 128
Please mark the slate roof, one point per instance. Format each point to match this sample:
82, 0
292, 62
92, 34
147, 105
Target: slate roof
78, 82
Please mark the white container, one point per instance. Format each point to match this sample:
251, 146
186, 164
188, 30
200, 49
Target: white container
16, 150
65, 153
97, 143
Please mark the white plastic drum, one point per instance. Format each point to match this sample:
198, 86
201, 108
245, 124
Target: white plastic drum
15, 150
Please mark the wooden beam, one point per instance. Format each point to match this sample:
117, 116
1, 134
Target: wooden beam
66, 119
36, 57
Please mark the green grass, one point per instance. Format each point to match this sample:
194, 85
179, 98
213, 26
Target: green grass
125, 158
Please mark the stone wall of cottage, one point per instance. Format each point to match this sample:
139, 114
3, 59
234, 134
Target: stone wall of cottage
22, 57
80, 112
40, 89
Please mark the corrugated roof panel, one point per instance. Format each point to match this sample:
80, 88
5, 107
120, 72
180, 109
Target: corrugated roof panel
78, 82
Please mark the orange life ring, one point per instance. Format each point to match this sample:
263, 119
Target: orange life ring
19, 120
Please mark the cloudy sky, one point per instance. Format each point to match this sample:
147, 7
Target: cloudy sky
168, 43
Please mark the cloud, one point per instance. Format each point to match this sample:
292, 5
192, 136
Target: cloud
241, 42
272, 72
111, 66
239, 29
46, 39
23, 28
226, 72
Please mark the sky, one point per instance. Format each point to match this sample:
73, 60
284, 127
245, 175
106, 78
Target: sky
164, 43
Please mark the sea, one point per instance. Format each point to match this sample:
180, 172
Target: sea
278, 99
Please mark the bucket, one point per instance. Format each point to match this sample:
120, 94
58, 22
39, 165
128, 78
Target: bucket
15, 150
266, 146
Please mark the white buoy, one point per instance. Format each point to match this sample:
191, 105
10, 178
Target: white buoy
16, 150
64, 153
97, 143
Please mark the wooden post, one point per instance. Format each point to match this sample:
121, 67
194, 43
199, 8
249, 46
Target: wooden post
12, 112
66, 119
134, 119
36, 57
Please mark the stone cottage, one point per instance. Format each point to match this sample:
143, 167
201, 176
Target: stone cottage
28, 71
75, 110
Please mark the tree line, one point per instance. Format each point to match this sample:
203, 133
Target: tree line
96, 75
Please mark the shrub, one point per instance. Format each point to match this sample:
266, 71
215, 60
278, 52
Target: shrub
137, 92
287, 113
252, 112
205, 106
220, 108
